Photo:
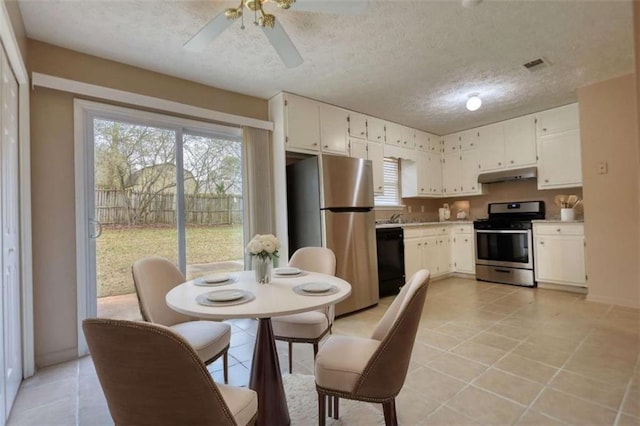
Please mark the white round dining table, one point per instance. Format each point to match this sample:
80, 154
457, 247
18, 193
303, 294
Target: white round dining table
271, 300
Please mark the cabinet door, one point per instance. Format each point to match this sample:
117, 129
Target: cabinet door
375, 153
333, 129
393, 134
358, 148
435, 143
451, 173
430, 255
444, 254
375, 129
469, 140
491, 145
469, 166
422, 140
424, 184
435, 174
558, 120
357, 125
464, 254
302, 123
451, 143
520, 141
408, 137
560, 259
412, 256
559, 165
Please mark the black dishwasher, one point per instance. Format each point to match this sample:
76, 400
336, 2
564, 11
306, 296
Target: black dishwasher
390, 244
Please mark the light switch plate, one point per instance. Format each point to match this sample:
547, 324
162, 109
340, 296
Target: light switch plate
603, 168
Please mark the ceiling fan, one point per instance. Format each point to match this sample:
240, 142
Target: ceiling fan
271, 27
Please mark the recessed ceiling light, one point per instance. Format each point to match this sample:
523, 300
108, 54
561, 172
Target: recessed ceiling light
473, 103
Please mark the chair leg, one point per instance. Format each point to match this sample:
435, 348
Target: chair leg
329, 406
389, 408
225, 367
290, 357
315, 350
336, 405
321, 409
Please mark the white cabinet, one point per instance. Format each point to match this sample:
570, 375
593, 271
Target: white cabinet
375, 129
393, 135
435, 174
357, 125
451, 173
422, 140
559, 151
412, 256
491, 146
415, 176
333, 129
435, 143
559, 253
451, 143
359, 148
428, 247
408, 137
463, 249
302, 124
469, 166
520, 141
469, 140
444, 253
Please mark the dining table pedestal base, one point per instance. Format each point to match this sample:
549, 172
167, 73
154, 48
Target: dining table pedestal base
266, 378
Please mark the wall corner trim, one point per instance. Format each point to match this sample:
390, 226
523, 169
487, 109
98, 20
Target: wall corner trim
107, 93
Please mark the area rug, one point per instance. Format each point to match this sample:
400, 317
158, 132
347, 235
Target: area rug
302, 400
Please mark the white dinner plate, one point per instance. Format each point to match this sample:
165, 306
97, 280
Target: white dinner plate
225, 295
287, 271
214, 279
316, 287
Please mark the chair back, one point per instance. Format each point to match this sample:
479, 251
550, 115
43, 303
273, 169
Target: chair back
386, 371
153, 277
316, 259
150, 375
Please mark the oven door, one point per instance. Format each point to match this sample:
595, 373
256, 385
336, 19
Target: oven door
507, 248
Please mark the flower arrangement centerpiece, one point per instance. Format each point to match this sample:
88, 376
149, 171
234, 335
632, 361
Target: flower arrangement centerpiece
263, 249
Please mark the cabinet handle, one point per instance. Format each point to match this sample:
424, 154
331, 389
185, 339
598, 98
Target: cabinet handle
471, 143
465, 240
405, 142
379, 187
558, 230
499, 163
511, 161
544, 129
362, 133
379, 137
546, 181
473, 187
541, 243
315, 144
421, 189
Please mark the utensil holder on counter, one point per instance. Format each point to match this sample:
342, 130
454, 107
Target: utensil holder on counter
567, 215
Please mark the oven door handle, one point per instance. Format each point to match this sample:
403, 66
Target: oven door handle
502, 231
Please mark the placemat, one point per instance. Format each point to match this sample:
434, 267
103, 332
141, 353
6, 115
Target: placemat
299, 290
248, 297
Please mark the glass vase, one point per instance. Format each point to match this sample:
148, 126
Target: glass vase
262, 268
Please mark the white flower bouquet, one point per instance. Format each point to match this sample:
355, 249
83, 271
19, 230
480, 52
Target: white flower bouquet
264, 246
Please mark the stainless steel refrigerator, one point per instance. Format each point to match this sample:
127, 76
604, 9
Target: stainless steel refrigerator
330, 204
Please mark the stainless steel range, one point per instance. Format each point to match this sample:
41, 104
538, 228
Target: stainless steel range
504, 247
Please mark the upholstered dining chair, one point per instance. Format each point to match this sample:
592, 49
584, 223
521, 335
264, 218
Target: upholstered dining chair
153, 277
150, 375
373, 369
307, 327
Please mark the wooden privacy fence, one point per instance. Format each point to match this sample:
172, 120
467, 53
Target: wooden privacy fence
118, 207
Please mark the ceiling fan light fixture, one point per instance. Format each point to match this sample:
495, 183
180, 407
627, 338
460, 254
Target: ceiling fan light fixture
474, 103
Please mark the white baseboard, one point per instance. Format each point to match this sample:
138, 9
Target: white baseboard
569, 288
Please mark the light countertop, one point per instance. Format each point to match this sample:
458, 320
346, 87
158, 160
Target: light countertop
556, 220
414, 224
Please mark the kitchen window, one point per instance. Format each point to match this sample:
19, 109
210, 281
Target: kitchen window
391, 195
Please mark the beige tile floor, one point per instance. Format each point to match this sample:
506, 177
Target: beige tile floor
484, 354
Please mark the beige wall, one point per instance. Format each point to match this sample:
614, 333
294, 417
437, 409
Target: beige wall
52, 176
608, 128
477, 205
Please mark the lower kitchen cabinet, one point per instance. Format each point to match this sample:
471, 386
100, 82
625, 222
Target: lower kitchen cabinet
463, 249
559, 253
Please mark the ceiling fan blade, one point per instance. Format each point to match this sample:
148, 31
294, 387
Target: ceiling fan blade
343, 7
210, 31
283, 45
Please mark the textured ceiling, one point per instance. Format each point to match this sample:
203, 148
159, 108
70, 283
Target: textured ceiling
413, 62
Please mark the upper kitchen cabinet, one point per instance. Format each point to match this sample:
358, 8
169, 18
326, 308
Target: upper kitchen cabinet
375, 129
435, 143
451, 143
367, 150
408, 137
491, 145
357, 125
468, 140
393, 134
301, 124
451, 174
333, 129
422, 140
520, 141
559, 151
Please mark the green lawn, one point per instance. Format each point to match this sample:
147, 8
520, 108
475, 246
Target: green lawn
118, 248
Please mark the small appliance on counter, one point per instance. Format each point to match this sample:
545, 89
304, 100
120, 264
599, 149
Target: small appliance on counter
444, 213
504, 243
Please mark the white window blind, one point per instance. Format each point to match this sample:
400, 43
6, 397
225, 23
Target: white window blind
391, 196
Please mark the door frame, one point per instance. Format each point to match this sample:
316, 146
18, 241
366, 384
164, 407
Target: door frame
84, 185
10, 43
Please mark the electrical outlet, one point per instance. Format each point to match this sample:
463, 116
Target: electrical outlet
603, 168
422, 209
409, 209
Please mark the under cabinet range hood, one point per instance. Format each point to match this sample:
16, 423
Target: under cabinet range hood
508, 175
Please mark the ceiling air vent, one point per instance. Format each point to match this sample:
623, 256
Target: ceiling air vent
536, 64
